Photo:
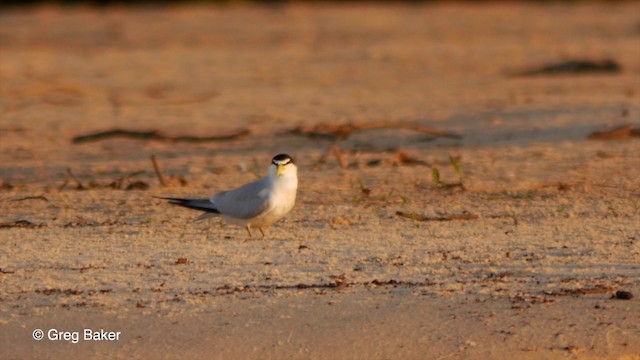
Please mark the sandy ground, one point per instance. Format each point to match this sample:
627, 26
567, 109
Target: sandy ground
555, 228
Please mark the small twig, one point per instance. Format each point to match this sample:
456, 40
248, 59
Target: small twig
19, 224
365, 191
598, 289
82, 268
416, 217
155, 135
335, 149
40, 197
117, 184
343, 131
404, 159
64, 185
621, 132
572, 67
80, 186
451, 186
156, 168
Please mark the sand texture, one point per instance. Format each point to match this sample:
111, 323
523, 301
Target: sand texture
516, 252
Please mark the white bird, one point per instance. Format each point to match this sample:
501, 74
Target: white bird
257, 204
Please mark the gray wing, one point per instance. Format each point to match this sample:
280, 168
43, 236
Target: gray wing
245, 202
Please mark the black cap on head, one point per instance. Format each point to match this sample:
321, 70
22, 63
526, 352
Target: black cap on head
282, 159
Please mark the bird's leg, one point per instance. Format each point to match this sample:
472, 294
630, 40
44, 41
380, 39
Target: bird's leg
262, 231
249, 230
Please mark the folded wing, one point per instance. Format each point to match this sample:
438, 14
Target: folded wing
245, 202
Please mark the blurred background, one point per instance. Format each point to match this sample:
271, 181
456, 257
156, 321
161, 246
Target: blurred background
497, 73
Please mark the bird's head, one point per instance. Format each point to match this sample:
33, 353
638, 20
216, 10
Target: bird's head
282, 165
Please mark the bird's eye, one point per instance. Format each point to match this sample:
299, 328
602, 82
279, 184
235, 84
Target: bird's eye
281, 162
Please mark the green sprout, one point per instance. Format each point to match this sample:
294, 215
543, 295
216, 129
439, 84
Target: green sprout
455, 162
435, 175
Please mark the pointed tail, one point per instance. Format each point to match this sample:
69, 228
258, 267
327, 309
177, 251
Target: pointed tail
197, 204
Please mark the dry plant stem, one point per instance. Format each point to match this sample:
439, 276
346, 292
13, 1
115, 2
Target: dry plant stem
155, 135
343, 131
582, 291
450, 186
621, 132
156, 168
117, 184
19, 224
80, 186
40, 197
572, 67
335, 149
417, 217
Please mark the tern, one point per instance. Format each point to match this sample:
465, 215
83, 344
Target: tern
255, 205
